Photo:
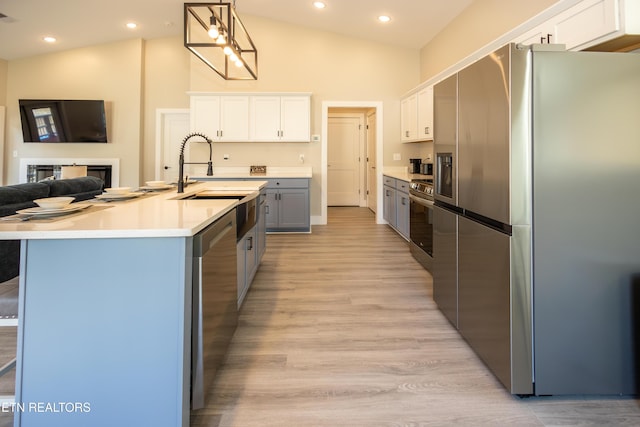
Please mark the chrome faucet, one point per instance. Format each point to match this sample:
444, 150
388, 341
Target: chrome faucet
182, 162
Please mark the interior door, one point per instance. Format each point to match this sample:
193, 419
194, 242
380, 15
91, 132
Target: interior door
346, 137
173, 126
372, 183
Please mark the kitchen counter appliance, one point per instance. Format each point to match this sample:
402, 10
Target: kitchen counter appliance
421, 221
414, 165
215, 314
536, 258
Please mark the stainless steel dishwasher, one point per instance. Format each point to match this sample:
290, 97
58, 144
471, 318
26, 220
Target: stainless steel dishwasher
215, 314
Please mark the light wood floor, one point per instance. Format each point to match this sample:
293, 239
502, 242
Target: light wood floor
340, 329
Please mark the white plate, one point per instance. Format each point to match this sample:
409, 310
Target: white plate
52, 212
156, 187
105, 196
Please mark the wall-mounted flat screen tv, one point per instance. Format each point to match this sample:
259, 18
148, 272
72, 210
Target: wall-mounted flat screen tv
54, 120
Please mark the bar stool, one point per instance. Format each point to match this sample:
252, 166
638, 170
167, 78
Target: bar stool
8, 318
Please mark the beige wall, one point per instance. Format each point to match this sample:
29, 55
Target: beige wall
111, 72
166, 83
481, 23
330, 66
4, 65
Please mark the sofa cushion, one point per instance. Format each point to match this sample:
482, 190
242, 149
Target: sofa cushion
21, 193
81, 188
21, 196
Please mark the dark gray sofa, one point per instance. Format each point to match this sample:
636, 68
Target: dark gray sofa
21, 196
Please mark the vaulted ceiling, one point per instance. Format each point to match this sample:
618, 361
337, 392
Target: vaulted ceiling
78, 23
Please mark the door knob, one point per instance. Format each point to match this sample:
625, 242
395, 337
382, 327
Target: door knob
167, 167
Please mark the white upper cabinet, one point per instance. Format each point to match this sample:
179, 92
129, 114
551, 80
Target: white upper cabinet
587, 24
234, 118
409, 118
425, 114
221, 118
247, 117
416, 116
280, 118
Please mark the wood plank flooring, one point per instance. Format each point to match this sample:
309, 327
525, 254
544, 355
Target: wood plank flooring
340, 329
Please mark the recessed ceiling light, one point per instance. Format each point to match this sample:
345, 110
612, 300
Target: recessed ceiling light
131, 25
319, 4
49, 39
384, 18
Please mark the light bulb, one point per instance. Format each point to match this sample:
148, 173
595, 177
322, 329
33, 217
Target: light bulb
227, 50
213, 32
221, 39
233, 57
239, 63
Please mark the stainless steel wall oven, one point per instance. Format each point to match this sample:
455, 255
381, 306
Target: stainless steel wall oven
421, 221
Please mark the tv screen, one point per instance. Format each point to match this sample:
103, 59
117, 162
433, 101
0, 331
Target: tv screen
51, 120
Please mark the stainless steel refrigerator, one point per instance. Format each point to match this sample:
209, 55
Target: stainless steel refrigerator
543, 182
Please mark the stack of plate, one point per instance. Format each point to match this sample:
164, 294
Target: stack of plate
118, 193
53, 206
156, 186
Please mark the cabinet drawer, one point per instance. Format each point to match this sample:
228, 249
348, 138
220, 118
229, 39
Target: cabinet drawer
402, 185
288, 183
389, 182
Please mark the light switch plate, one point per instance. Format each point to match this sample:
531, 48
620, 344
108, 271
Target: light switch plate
397, 156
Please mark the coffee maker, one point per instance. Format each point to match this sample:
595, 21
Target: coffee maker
414, 165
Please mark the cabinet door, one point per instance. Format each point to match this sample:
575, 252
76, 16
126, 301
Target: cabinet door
242, 276
294, 208
389, 205
271, 209
251, 249
425, 113
265, 118
295, 115
402, 213
586, 22
262, 229
234, 118
205, 115
409, 117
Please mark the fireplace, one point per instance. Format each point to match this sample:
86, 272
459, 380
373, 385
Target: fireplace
34, 170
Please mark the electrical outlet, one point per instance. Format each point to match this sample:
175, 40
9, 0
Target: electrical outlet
315, 138
397, 156
301, 158
15, 153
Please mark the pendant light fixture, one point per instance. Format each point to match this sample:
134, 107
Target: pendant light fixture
214, 33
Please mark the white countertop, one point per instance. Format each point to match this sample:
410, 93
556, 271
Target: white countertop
243, 172
403, 174
153, 215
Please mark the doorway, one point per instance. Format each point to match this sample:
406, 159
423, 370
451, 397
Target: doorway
373, 111
345, 155
171, 127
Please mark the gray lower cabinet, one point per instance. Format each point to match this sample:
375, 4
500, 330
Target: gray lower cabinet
262, 225
396, 206
287, 205
247, 262
389, 205
402, 208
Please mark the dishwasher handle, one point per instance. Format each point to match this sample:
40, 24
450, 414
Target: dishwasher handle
206, 239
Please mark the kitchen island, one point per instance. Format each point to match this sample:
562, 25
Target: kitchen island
104, 334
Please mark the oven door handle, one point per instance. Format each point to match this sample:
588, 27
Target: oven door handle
420, 201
